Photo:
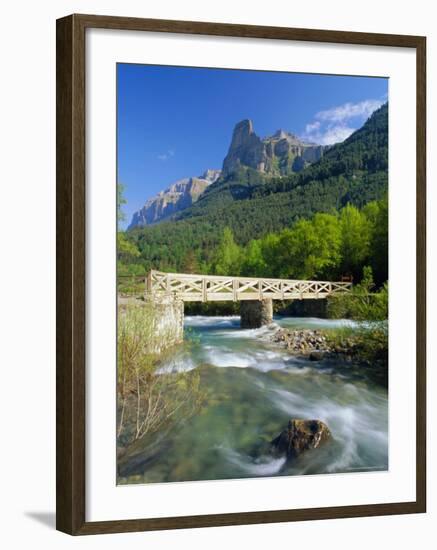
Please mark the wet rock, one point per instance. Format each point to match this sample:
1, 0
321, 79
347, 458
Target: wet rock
316, 356
300, 436
301, 341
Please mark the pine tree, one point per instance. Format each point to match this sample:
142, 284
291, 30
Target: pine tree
190, 263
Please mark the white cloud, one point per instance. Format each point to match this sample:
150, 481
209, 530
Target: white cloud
363, 109
312, 127
336, 134
165, 156
328, 135
333, 125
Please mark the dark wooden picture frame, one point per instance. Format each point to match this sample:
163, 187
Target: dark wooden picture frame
71, 246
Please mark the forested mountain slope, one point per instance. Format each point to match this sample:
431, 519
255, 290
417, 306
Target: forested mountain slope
354, 171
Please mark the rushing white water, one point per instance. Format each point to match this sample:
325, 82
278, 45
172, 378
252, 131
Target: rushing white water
265, 466
253, 388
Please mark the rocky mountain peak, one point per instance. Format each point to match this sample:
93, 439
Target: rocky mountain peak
179, 195
279, 154
276, 155
242, 133
246, 149
281, 134
211, 175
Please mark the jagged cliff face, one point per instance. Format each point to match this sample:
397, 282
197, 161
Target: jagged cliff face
276, 155
279, 154
180, 195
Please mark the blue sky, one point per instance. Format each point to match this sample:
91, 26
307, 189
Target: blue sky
176, 122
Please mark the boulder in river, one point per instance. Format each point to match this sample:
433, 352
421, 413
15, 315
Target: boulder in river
300, 436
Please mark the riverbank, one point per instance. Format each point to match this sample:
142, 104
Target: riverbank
367, 346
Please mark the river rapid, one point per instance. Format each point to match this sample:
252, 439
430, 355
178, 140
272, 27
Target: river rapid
253, 387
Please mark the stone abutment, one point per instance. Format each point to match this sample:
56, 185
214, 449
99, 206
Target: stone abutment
256, 313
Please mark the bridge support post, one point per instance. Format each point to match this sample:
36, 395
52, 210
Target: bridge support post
256, 313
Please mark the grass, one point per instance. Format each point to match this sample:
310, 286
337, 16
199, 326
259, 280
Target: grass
149, 398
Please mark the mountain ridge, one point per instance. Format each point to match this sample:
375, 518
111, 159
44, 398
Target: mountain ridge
179, 195
352, 172
280, 154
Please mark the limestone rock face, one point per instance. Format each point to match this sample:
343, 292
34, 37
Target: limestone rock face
180, 195
300, 436
279, 154
246, 149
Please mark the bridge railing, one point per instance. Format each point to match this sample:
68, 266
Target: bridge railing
206, 288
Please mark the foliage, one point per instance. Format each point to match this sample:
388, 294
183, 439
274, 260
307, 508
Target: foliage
252, 206
121, 216
361, 304
368, 343
355, 239
254, 260
379, 239
149, 398
309, 248
126, 249
190, 263
318, 248
227, 257
369, 340
365, 151
131, 285
326, 246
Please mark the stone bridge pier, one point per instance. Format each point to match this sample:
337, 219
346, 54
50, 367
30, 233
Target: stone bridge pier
162, 320
256, 313
167, 319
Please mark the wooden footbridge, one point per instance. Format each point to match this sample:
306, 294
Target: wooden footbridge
213, 288
167, 293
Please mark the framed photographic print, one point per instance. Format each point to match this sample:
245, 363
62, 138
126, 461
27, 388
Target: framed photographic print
240, 274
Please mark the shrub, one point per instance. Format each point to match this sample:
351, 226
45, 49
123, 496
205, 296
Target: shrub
150, 397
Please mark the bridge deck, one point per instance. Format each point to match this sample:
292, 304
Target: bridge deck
212, 288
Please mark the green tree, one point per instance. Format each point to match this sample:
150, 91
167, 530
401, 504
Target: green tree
371, 211
190, 263
355, 240
254, 264
227, 257
362, 303
311, 248
126, 249
326, 250
379, 242
269, 248
121, 200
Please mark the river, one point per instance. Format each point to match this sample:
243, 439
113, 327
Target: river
254, 387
